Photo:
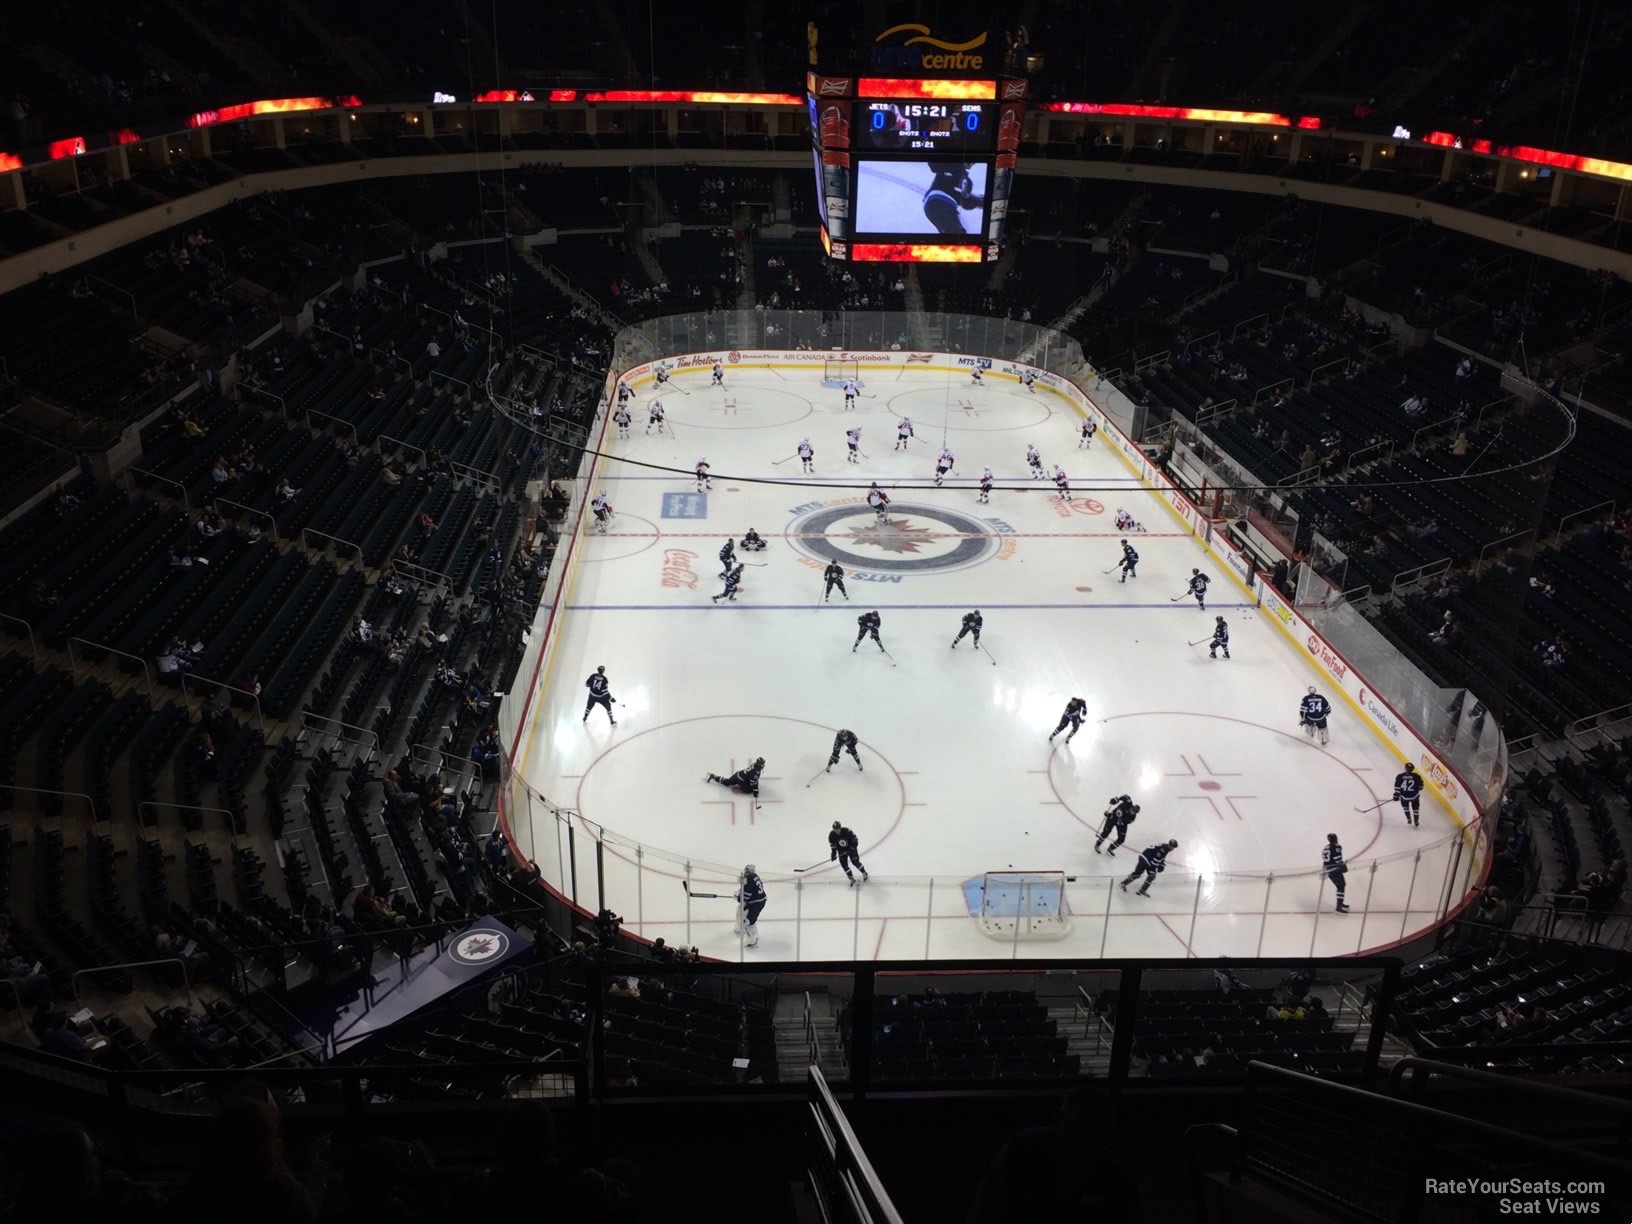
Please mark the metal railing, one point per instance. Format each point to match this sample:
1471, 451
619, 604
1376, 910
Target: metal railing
1315, 373
62, 794
33, 646
318, 724
382, 439
132, 472
73, 660
156, 804
307, 533
845, 1184
1409, 579
1507, 541
113, 288
1248, 324
1284, 384
249, 388
422, 574
126, 966
255, 697
341, 421
433, 375
250, 510
1604, 505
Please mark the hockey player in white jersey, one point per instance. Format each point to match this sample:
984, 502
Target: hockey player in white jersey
850, 393
718, 380
1034, 460
704, 481
1028, 379
807, 455
944, 463
1085, 438
654, 416
852, 442
1062, 482
602, 506
1312, 713
976, 379
986, 481
879, 501
621, 416
903, 433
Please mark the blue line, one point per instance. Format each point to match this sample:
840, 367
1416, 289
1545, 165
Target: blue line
806, 607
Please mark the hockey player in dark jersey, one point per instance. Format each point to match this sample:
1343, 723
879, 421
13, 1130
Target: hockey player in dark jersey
869, 622
745, 780
1198, 588
833, 576
1331, 862
1312, 713
1152, 862
600, 694
1130, 562
1221, 639
1408, 793
1074, 710
733, 579
950, 190
728, 557
844, 741
972, 621
750, 904
844, 849
1122, 813
753, 541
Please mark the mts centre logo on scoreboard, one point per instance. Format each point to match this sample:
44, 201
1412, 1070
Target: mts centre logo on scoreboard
918, 49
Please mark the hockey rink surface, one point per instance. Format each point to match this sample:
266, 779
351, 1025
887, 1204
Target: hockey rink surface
959, 777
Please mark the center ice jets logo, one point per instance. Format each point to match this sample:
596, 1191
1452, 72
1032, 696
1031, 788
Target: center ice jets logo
913, 538
479, 947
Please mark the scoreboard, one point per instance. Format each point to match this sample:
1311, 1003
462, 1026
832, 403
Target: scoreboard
911, 169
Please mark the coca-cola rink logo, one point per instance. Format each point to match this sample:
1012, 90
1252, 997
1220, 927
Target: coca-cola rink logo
677, 571
1328, 660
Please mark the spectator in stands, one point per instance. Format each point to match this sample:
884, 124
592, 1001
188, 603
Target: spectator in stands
1493, 916
242, 1173
220, 474
1423, 528
1552, 653
1459, 446
1542, 584
208, 526
1226, 981
1449, 631
285, 492
173, 660
56, 1036
1306, 458
487, 750
390, 475
1071, 1170
362, 632
433, 350
1365, 504
204, 750
1464, 369
32, 986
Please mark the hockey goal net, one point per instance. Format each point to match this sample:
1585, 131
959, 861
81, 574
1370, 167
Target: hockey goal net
1018, 905
837, 372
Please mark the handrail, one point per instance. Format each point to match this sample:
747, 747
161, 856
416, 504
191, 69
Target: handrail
225, 501
33, 647
1559, 538
1274, 386
1144, 363
307, 718
67, 794
446, 760
1365, 453
328, 416
260, 717
1302, 476
73, 660
432, 375
1213, 412
253, 389
382, 438
1479, 565
1406, 579
186, 980
1341, 361
475, 475
1597, 722
435, 578
1249, 323
1416, 438
185, 807
866, 1196
134, 312
1425, 1069
323, 535
390, 356
162, 480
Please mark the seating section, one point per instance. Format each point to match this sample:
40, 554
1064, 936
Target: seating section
1539, 1000
1004, 1034
1190, 1032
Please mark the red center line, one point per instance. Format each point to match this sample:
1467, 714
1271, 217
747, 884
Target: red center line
934, 535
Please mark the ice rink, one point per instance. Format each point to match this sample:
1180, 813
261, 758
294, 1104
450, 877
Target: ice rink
959, 776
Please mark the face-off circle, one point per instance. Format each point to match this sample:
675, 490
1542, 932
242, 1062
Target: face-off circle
913, 539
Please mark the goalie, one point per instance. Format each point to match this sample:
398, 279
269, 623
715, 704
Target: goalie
1312, 713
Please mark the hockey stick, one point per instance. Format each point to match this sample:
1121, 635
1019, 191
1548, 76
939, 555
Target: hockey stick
1112, 570
866, 394
1178, 597
686, 884
1375, 806
679, 388
812, 867
887, 655
779, 462
985, 652
1197, 642
755, 564
807, 787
